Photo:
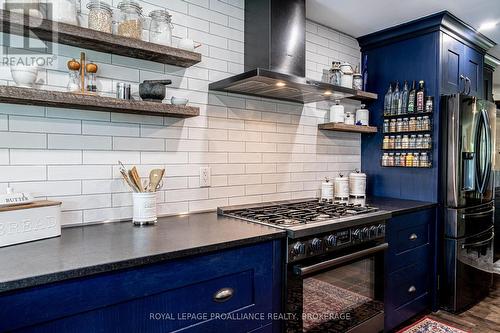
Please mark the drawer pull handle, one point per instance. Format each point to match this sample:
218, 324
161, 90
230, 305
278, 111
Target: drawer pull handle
412, 289
413, 237
223, 295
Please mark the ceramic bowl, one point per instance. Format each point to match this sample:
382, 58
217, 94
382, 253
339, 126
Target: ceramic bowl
24, 76
178, 100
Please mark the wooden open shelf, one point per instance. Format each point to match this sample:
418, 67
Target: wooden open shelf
364, 96
32, 96
339, 127
73, 35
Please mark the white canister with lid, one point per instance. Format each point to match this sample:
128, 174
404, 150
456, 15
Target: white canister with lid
337, 112
357, 183
341, 188
349, 118
362, 116
347, 73
327, 190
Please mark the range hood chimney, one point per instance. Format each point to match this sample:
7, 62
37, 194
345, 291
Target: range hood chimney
275, 32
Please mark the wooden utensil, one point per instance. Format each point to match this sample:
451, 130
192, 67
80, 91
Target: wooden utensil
127, 180
155, 177
134, 175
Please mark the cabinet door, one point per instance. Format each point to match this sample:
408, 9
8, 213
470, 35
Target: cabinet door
473, 70
453, 54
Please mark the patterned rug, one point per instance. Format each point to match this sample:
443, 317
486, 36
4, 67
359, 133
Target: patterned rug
427, 325
327, 301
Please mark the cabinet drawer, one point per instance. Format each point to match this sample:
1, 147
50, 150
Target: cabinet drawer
412, 237
396, 317
407, 284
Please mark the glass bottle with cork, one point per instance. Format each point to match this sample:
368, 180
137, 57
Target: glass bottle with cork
420, 97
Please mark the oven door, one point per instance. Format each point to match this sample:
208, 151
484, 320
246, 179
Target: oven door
338, 293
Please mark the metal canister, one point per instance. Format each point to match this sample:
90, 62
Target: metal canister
123, 90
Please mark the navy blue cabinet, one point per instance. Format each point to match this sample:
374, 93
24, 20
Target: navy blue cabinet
462, 67
196, 294
409, 266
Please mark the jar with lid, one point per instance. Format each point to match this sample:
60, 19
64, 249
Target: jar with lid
130, 20
160, 30
386, 125
335, 73
402, 161
392, 141
385, 158
100, 16
397, 159
419, 124
405, 125
385, 143
412, 124
409, 160
426, 123
390, 160
399, 125
424, 160
416, 160
405, 142
413, 142
397, 142
427, 141
420, 142
392, 125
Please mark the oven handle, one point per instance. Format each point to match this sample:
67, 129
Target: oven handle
298, 270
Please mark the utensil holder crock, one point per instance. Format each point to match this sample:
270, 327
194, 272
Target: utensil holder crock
144, 208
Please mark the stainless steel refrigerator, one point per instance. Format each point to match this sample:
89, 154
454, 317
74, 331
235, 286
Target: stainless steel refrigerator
467, 155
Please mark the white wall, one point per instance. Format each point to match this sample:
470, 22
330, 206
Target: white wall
258, 150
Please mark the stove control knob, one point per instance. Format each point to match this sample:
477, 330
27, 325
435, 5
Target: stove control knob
331, 241
315, 245
373, 231
381, 230
356, 234
298, 248
365, 234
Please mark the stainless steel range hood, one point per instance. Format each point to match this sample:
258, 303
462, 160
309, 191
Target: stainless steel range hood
275, 57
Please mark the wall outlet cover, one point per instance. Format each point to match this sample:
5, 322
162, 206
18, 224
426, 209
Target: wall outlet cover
205, 177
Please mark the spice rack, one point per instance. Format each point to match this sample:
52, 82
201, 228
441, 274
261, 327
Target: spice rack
407, 140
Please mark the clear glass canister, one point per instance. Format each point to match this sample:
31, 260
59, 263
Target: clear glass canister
160, 31
100, 16
131, 20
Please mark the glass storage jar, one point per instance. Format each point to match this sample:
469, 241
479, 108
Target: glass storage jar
100, 16
160, 30
386, 126
130, 19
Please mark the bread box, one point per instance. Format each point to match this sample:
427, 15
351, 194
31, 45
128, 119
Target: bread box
29, 222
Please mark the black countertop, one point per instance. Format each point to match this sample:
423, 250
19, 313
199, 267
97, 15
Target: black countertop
399, 206
87, 250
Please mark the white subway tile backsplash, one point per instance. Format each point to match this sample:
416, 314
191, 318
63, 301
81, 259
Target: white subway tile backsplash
22, 140
47, 157
44, 125
258, 149
109, 128
16, 173
66, 141
140, 144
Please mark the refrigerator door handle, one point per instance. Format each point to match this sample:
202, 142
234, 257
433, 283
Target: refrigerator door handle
483, 177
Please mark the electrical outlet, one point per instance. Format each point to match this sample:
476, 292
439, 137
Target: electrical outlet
205, 177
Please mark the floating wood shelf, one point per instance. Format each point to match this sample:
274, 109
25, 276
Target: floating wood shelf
347, 128
73, 35
364, 96
31, 96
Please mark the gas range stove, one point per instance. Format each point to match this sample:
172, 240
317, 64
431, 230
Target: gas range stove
305, 217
